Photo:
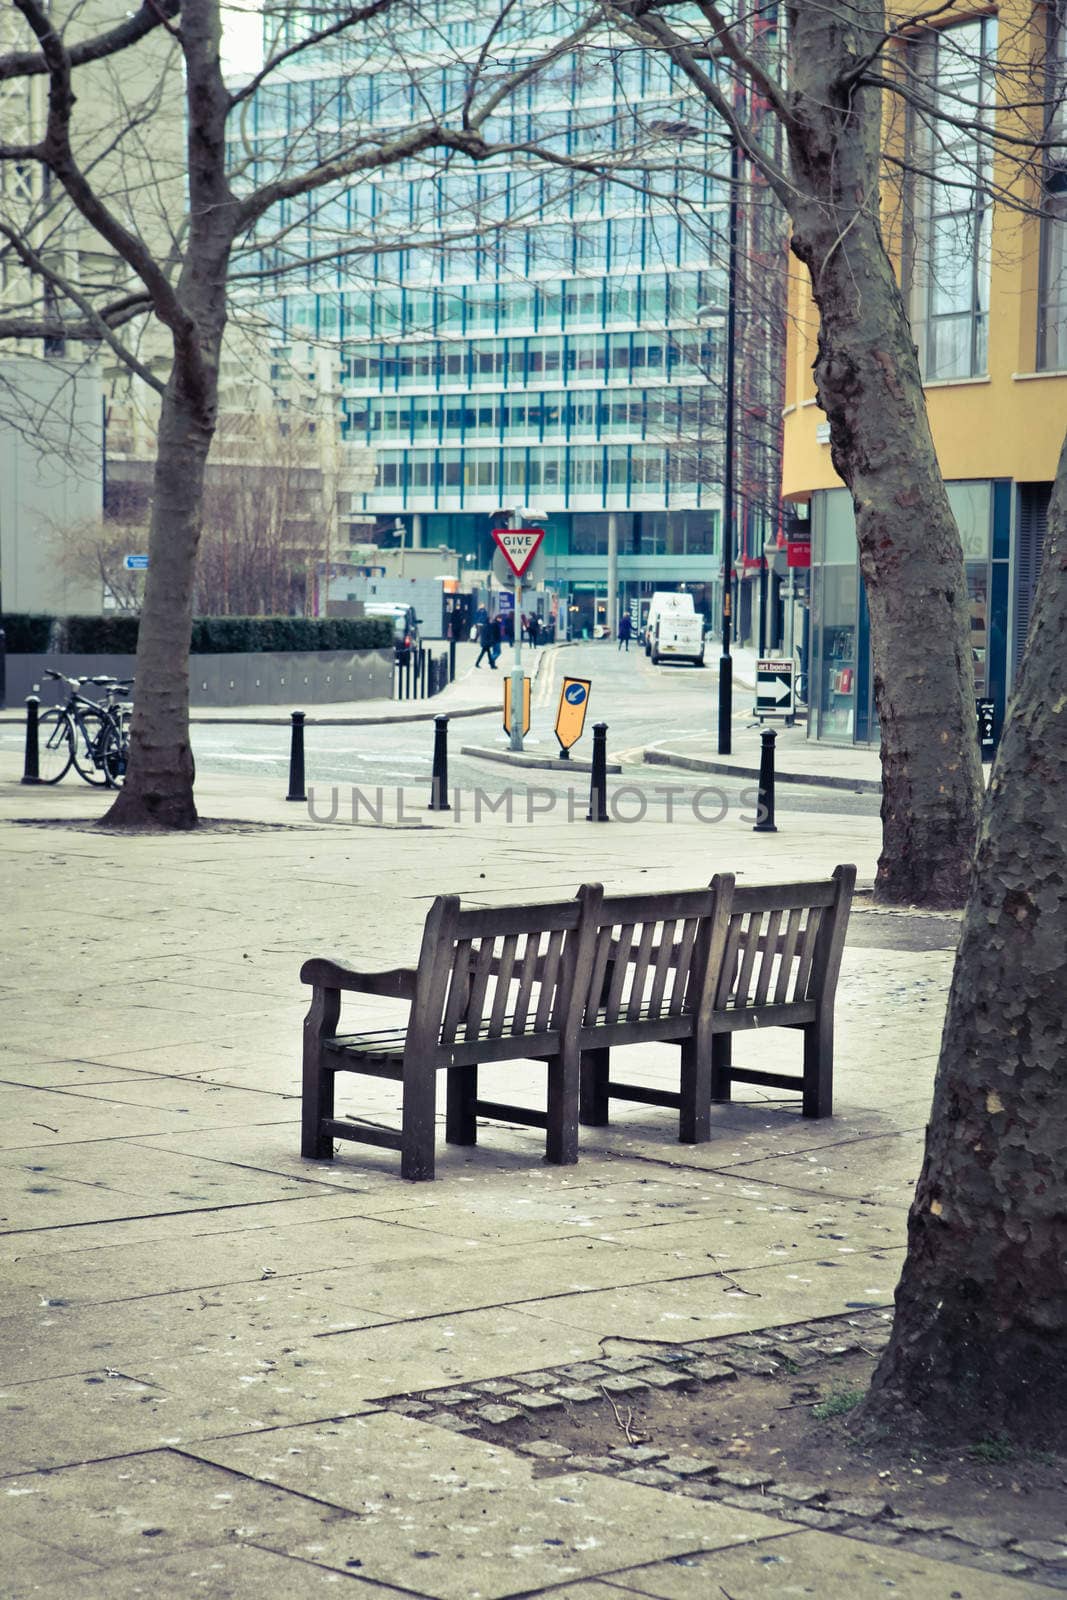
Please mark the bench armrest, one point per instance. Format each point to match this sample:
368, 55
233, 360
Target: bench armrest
396, 984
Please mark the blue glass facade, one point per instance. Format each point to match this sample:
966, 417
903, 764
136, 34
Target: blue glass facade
510, 332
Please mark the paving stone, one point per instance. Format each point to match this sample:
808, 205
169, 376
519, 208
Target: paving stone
497, 1414
453, 1397
656, 1378
495, 1386
688, 1466
876, 1533
582, 1371
803, 1493
545, 1449
577, 1393
746, 1341
859, 1505
789, 1335
934, 1549
622, 1385
696, 1489
986, 1535
1000, 1561
754, 1366
449, 1420
538, 1402
753, 1501
798, 1356
912, 1524
1043, 1549
738, 1479
651, 1477
625, 1363
712, 1372
592, 1464
637, 1455
811, 1518
835, 1347
412, 1408
540, 1380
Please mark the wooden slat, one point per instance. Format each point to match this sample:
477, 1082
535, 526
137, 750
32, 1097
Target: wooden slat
729, 963
363, 1132
784, 896
685, 960
663, 965
476, 998
770, 949
773, 1080
503, 1113
788, 950
600, 967
527, 971
640, 973
613, 1003
645, 1095
750, 941
807, 952
459, 986
640, 908
489, 922
549, 981
504, 969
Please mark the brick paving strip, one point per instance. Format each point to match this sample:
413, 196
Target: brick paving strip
486, 1409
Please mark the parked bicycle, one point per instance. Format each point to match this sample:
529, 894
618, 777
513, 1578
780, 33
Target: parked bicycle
94, 735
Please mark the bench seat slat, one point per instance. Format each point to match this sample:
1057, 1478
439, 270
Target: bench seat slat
505, 1113
362, 1132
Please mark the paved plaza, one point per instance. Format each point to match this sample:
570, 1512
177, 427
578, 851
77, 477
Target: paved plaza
201, 1331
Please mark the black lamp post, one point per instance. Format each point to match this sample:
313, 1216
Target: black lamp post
729, 541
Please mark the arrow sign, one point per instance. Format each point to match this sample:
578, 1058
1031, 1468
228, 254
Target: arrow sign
518, 546
774, 686
135, 563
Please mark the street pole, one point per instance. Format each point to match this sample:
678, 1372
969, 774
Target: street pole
726, 665
517, 696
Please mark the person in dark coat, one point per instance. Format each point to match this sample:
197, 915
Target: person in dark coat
489, 638
626, 629
533, 628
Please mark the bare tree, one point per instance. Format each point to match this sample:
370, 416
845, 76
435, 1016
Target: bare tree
178, 276
95, 553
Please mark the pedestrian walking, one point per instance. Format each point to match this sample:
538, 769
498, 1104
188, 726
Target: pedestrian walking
496, 634
533, 629
489, 638
626, 629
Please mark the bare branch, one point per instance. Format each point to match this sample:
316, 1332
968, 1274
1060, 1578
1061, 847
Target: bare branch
34, 64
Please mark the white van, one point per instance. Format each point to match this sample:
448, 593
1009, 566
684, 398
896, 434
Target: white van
664, 600
677, 636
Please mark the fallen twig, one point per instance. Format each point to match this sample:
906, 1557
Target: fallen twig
631, 1437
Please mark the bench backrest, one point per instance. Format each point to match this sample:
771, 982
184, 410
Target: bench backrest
489, 973
650, 954
784, 942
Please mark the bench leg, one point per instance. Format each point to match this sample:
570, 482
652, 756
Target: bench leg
317, 1088
561, 1143
593, 1097
721, 1058
819, 1067
417, 1125
461, 1091
694, 1122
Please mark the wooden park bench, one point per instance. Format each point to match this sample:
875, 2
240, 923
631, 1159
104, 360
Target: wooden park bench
491, 985
744, 958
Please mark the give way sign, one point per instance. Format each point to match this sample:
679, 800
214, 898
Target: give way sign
518, 546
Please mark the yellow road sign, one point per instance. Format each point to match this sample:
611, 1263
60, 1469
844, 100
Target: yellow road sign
525, 705
573, 703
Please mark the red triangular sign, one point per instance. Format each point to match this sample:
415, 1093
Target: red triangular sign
518, 546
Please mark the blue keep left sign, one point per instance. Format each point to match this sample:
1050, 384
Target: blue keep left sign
574, 694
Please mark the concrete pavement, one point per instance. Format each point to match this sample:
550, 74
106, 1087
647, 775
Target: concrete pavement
200, 1330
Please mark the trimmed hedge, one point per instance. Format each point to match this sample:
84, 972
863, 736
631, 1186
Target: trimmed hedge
35, 634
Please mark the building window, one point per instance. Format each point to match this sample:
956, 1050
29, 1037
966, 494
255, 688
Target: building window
953, 76
1052, 313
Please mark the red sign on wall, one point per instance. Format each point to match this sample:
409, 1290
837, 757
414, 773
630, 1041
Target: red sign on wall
798, 553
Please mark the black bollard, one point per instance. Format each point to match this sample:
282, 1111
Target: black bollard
31, 771
451, 660
296, 758
598, 784
424, 673
765, 797
439, 782
3, 669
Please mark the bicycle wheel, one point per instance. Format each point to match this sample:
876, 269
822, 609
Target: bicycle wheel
90, 734
116, 752
55, 745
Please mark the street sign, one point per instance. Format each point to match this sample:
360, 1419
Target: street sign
532, 578
135, 563
518, 546
570, 718
525, 704
986, 711
505, 601
775, 688
798, 553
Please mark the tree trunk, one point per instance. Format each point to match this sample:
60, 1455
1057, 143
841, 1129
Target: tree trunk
159, 783
979, 1344
869, 385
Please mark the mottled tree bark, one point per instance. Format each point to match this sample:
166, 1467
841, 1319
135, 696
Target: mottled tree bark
979, 1344
869, 385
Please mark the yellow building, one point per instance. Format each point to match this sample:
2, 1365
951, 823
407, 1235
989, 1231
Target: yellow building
982, 248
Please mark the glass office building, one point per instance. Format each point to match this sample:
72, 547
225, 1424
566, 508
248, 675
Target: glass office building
510, 333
